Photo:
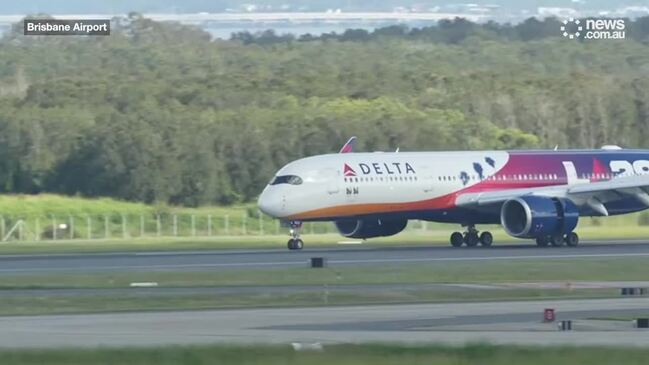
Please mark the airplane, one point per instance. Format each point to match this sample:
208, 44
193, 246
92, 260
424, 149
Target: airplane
532, 194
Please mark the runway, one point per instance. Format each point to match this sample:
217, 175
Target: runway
280, 257
452, 323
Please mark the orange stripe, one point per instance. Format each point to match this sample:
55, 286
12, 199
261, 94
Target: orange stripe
446, 201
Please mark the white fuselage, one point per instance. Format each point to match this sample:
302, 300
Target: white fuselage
336, 185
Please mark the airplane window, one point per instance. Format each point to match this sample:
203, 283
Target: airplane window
286, 179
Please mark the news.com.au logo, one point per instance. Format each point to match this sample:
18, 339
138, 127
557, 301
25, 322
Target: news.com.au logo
593, 28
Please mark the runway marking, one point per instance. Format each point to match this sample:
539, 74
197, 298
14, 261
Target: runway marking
350, 242
304, 262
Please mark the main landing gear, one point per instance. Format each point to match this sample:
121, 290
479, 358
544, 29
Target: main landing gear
471, 238
295, 243
570, 239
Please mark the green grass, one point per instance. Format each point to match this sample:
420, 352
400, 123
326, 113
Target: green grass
412, 238
58, 304
100, 225
370, 354
561, 270
108, 218
104, 224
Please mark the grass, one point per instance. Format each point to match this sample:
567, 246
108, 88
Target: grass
31, 223
560, 270
58, 304
374, 354
435, 237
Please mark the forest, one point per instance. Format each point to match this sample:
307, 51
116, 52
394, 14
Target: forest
162, 113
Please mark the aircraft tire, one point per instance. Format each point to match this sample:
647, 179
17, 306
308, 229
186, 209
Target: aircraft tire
456, 239
556, 241
542, 241
471, 239
295, 244
486, 239
572, 239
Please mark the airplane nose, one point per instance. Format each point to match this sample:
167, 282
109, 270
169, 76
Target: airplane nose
270, 203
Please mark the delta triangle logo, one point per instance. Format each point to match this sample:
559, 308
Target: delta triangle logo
348, 171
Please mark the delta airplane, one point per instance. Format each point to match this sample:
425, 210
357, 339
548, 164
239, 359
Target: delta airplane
535, 194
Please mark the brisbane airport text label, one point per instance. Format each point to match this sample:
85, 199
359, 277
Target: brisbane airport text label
93, 27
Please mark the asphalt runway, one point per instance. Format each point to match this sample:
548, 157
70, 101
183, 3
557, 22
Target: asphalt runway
280, 257
452, 323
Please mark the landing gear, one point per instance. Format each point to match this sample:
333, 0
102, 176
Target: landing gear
556, 241
295, 243
456, 239
486, 239
542, 241
471, 238
572, 239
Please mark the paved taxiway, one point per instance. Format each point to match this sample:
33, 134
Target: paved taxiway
280, 257
455, 323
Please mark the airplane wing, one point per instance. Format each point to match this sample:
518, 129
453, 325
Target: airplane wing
592, 194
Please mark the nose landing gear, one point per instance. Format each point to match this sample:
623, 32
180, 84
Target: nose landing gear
471, 238
295, 243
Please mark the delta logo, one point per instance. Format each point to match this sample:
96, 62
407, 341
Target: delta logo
348, 171
379, 168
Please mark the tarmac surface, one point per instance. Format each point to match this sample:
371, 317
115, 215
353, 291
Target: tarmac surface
281, 257
453, 323
595, 321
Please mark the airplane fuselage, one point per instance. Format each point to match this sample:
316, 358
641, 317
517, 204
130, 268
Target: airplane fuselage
438, 186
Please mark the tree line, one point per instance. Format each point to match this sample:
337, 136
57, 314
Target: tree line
161, 112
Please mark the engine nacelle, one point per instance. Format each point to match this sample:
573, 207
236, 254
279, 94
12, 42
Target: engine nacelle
537, 216
368, 228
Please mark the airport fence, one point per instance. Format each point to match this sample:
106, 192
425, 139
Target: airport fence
127, 226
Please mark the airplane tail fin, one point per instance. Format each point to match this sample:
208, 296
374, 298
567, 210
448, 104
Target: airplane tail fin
349, 146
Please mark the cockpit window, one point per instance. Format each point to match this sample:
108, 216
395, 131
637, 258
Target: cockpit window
286, 179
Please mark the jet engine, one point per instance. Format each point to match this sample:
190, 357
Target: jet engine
369, 228
537, 216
